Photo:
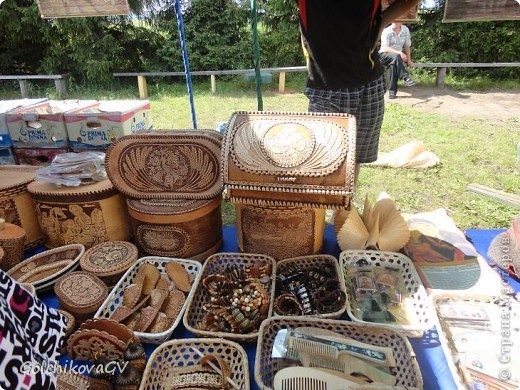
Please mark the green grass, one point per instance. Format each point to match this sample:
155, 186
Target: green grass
471, 150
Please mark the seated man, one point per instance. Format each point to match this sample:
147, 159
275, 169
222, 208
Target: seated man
395, 52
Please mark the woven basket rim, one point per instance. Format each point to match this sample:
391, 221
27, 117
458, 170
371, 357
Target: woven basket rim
249, 337
414, 330
143, 336
377, 329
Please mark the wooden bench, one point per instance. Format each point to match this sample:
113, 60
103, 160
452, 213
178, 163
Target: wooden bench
440, 66
443, 66
59, 82
143, 89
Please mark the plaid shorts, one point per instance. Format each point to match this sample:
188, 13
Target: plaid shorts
366, 103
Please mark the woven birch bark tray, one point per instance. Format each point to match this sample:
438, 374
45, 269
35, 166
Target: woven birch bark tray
115, 298
43, 269
290, 159
217, 264
178, 354
506, 324
416, 304
315, 269
407, 370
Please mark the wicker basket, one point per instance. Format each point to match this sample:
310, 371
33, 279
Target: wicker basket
460, 374
407, 371
307, 262
422, 312
177, 353
115, 298
215, 264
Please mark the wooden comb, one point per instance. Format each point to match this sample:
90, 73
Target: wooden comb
304, 378
358, 362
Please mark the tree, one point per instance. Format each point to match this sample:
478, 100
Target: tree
493, 41
216, 34
280, 42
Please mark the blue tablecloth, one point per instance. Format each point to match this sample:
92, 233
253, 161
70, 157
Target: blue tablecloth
431, 358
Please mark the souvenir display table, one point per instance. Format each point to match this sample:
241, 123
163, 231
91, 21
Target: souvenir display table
430, 356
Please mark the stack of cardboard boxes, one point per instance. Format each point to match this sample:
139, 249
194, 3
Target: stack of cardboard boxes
34, 131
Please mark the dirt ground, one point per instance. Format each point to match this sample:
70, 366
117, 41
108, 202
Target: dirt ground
493, 106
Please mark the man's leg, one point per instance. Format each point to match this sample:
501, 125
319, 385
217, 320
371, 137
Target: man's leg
398, 70
366, 103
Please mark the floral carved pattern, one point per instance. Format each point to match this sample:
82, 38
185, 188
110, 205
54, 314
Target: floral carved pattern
176, 168
162, 240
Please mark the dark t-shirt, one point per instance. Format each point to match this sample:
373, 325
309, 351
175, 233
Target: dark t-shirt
338, 36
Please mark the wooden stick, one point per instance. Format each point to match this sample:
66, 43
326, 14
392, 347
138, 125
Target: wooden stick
498, 195
230, 381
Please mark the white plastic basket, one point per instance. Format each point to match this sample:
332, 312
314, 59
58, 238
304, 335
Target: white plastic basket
115, 298
422, 311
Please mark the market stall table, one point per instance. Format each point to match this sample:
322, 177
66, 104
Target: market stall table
430, 356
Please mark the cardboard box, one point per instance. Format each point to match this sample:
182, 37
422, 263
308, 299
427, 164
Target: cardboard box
38, 156
7, 157
96, 127
9, 105
42, 125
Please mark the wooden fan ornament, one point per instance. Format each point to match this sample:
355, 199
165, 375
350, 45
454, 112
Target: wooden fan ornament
379, 227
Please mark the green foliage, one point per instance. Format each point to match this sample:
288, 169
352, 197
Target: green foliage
216, 34
496, 41
21, 39
280, 41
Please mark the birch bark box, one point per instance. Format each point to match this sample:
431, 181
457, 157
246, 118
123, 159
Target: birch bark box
89, 214
16, 204
173, 184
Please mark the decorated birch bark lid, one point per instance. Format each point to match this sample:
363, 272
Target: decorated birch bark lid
15, 178
80, 292
109, 258
167, 164
87, 192
9, 232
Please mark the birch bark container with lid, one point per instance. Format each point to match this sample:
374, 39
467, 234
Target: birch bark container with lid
12, 240
89, 214
16, 205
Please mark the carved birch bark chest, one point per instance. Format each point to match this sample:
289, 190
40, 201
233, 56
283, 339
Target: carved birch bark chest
89, 214
290, 159
173, 184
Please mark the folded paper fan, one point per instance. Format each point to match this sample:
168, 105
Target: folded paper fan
353, 234
380, 227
